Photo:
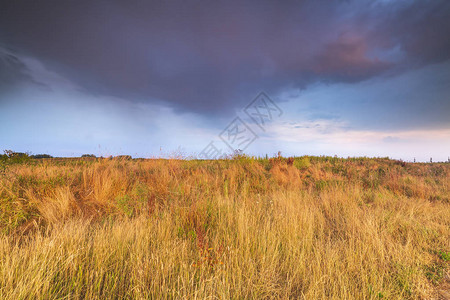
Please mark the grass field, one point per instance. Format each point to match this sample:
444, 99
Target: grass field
309, 227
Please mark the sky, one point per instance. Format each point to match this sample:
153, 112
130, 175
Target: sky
204, 78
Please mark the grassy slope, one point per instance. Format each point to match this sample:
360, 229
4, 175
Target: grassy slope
318, 228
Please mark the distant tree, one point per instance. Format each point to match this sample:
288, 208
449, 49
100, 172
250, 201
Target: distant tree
39, 156
238, 154
13, 154
15, 157
88, 155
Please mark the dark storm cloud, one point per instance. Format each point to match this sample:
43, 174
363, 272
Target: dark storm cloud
12, 71
211, 56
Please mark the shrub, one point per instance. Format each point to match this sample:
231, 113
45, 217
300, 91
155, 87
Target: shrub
123, 157
302, 163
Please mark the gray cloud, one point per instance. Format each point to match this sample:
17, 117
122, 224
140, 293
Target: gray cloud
212, 56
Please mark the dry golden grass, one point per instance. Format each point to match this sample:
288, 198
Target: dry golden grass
313, 228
